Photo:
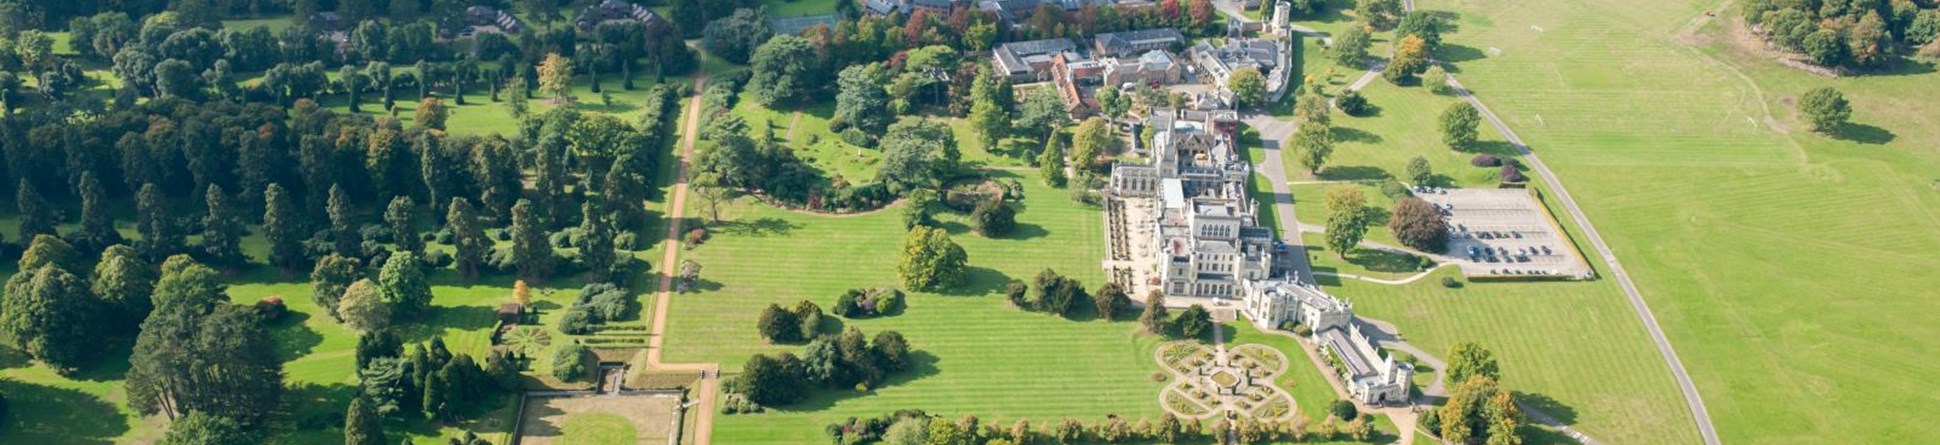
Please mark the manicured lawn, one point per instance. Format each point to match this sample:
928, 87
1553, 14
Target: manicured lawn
598, 429
1787, 268
1405, 123
786, 8
975, 354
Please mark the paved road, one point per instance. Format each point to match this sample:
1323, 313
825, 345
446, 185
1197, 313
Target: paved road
1691, 397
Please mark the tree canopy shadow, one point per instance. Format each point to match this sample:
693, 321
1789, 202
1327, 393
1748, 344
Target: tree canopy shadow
293, 335
1904, 66
1024, 231
312, 407
40, 414
978, 281
436, 319
1864, 134
1350, 134
1384, 261
1498, 148
757, 228
1451, 54
1354, 173
1549, 406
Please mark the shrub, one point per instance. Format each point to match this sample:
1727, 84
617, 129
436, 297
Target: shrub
605, 301
1511, 174
1394, 190
855, 136
695, 236
436, 259
993, 217
1485, 160
577, 321
1344, 409
1352, 103
863, 303
271, 308
1014, 292
569, 362
1449, 282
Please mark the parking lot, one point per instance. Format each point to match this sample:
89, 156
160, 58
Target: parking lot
1505, 233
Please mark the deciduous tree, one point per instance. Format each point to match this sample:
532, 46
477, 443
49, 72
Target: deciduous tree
1458, 124
931, 261
1825, 108
403, 285
362, 307
1418, 224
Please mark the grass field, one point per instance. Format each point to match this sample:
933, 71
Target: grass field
1812, 276
975, 354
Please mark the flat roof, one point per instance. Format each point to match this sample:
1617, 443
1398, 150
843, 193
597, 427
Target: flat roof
1174, 192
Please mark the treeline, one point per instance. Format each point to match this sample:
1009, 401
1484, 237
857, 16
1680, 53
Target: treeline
319, 177
1859, 34
915, 427
845, 361
1053, 293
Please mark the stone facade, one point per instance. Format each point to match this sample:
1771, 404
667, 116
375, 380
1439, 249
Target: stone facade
1208, 238
1372, 378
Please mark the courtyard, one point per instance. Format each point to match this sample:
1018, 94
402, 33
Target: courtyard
605, 419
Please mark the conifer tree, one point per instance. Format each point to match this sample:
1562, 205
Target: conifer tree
361, 424
403, 218
222, 230
37, 217
1050, 162
345, 239
597, 251
282, 229
468, 240
1154, 317
530, 251
97, 224
160, 238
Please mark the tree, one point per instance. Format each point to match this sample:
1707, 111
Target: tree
1410, 57
930, 261
1459, 124
1345, 200
124, 282
598, 251
1378, 14
1093, 139
1825, 108
1247, 85
431, 113
1194, 322
1345, 230
37, 217
993, 217
1050, 162
344, 237
282, 229
734, 38
861, 102
362, 426
569, 362
778, 325
403, 285
1420, 172
1313, 145
222, 230
916, 211
917, 153
556, 77
50, 315
468, 240
1113, 103
197, 353
207, 429
1479, 410
160, 237
97, 223
785, 69
1042, 113
403, 218
775, 379
362, 307
1351, 102
1436, 79
1418, 224
1350, 47
530, 252
1111, 300
1153, 317
1423, 25
988, 114
1467, 359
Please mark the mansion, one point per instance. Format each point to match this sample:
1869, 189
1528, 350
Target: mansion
1183, 223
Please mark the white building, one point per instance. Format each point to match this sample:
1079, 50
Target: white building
1208, 235
1372, 377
